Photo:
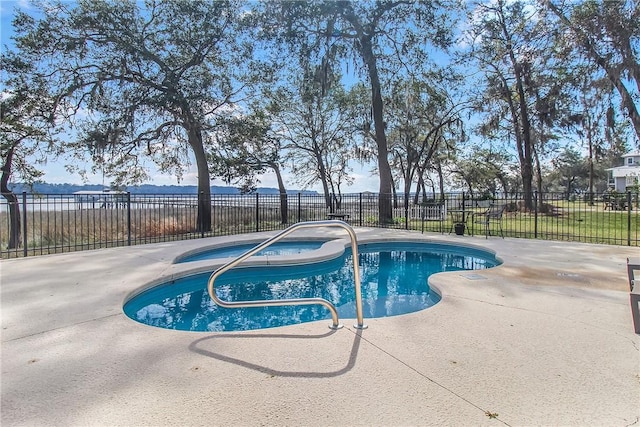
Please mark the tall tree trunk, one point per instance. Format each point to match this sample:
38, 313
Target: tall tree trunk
440, 180
15, 240
591, 167
406, 196
284, 205
394, 194
203, 220
337, 199
527, 142
385, 209
325, 182
419, 188
525, 171
539, 179
365, 49
537, 164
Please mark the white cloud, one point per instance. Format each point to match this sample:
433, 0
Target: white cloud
24, 4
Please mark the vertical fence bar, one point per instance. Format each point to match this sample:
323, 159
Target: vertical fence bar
128, 218
61, 224
361, 214
93, 221
406, 212
628, 218
77, 230
217, 210
535, 214
257, 212
200, 219
487, 230
53, 236
82, 230
299, 207
24, 224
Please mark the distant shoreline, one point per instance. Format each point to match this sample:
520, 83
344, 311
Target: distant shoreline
45, 188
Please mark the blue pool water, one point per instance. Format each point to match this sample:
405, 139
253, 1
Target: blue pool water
393, 275
278, 248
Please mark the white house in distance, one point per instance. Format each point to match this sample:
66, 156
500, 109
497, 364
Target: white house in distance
627, 177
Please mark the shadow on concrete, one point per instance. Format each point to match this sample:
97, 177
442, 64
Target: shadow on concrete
350, 363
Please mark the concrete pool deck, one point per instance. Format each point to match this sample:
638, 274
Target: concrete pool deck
544, 339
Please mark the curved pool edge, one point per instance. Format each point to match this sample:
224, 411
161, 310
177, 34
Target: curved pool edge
449, 284
332, 249
215, 246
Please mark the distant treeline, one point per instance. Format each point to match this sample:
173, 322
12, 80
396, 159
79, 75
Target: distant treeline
44, 188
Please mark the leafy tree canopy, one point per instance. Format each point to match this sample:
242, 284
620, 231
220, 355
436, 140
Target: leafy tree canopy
141, 79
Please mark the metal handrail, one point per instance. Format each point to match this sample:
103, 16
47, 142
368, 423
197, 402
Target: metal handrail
295, 301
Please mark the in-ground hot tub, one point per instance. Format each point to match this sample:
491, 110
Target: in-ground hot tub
281, 248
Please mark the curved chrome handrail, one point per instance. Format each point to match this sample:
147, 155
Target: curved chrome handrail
295, 301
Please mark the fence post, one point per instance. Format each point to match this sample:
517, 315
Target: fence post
24, 223
257, 212
360, 209
406, 212
535, 214
299, 207
198, 213
128, 218
628, 218
199, 219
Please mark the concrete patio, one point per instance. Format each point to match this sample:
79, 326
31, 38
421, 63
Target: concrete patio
544, 339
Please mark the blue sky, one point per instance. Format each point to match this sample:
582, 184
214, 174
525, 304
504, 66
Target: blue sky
55, 171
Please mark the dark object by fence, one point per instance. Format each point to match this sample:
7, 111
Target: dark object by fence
459, 229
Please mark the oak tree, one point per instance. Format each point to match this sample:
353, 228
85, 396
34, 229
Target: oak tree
379, 38
140, 79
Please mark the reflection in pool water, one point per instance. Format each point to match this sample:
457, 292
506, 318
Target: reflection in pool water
394, 281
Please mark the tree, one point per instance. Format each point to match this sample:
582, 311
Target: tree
378, 36
608, 33
244, 146
24, 133
484, 171
571, 170
315, 121
422, 118
148, 79
594, 123
510, 43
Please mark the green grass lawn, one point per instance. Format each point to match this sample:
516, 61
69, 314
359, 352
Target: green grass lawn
572, 221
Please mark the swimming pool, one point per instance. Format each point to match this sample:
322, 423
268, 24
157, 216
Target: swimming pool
393, 274
276, 249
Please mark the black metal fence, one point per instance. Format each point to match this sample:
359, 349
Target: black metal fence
65, 223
